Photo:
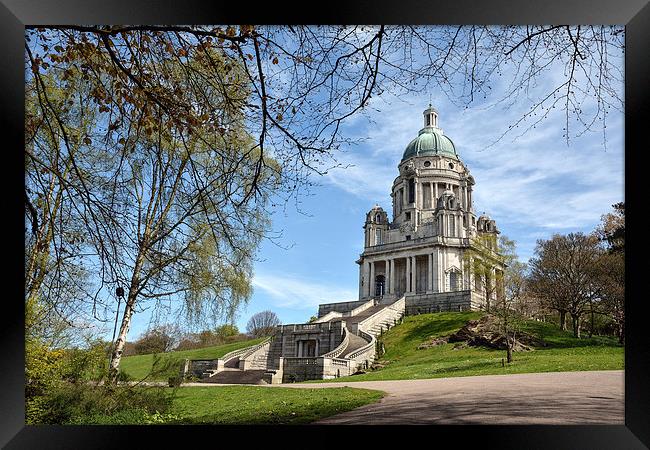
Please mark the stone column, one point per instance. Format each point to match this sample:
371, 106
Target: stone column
433, 199
392, 276
408, 274
430, 273
386, 278
371, 284
434, 274
414, 269
436, 191
366, 277
360, 279
441, 272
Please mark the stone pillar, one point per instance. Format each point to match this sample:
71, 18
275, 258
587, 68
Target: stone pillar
371, 284
386, 276
360, 279
366, 277
430, 273
414, 270
436, 191
441, 272
408, 274
392, 275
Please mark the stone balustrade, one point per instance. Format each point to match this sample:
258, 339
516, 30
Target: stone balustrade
389, 314
342, 346
329, 316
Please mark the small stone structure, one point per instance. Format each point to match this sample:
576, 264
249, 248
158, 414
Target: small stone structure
415, 264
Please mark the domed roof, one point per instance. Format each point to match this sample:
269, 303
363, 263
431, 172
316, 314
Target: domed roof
430, 141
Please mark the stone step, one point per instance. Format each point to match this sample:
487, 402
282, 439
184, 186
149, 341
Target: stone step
356, 342
237, 377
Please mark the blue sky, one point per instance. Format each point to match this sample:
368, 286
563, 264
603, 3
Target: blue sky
531, 182
533, 185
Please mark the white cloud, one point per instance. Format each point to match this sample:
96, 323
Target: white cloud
290, 291
534, 179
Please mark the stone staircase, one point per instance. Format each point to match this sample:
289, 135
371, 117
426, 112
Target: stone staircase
355, 343
367, 313
237, 376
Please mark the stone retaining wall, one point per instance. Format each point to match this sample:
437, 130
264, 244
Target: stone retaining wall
439, 302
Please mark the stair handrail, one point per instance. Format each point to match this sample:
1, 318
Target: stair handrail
397, 305
235, 353
329, 316
256, 347
371, 345
341, 347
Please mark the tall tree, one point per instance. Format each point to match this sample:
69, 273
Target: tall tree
562, 274
610, 271
163, 190
484, 260
262, 324
182, 113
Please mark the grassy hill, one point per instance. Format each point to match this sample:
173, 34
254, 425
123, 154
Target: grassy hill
164, 365
563, 353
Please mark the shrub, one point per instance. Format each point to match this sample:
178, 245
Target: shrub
84, 403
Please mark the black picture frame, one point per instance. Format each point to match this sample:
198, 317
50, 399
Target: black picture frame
635, 14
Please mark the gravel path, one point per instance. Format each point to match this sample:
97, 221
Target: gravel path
554, 398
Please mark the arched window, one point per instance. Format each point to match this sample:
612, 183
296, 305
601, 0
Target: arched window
378, 218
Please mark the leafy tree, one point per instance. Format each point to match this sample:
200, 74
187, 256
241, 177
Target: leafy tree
262, 324
562, 274
165, 159
610, 270
226, 330
484, 261
514, 286
159, 339
612, 228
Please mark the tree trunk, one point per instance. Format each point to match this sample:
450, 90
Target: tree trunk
509, 345
575, 319
621, 333
118, 349
591, 326
116, 356
563, 320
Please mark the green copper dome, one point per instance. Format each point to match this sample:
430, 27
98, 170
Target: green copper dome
430, 141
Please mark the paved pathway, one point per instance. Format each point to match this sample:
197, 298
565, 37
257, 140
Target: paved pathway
555, 398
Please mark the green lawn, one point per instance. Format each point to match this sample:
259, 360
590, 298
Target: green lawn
168, 364
563, 353
265, 405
